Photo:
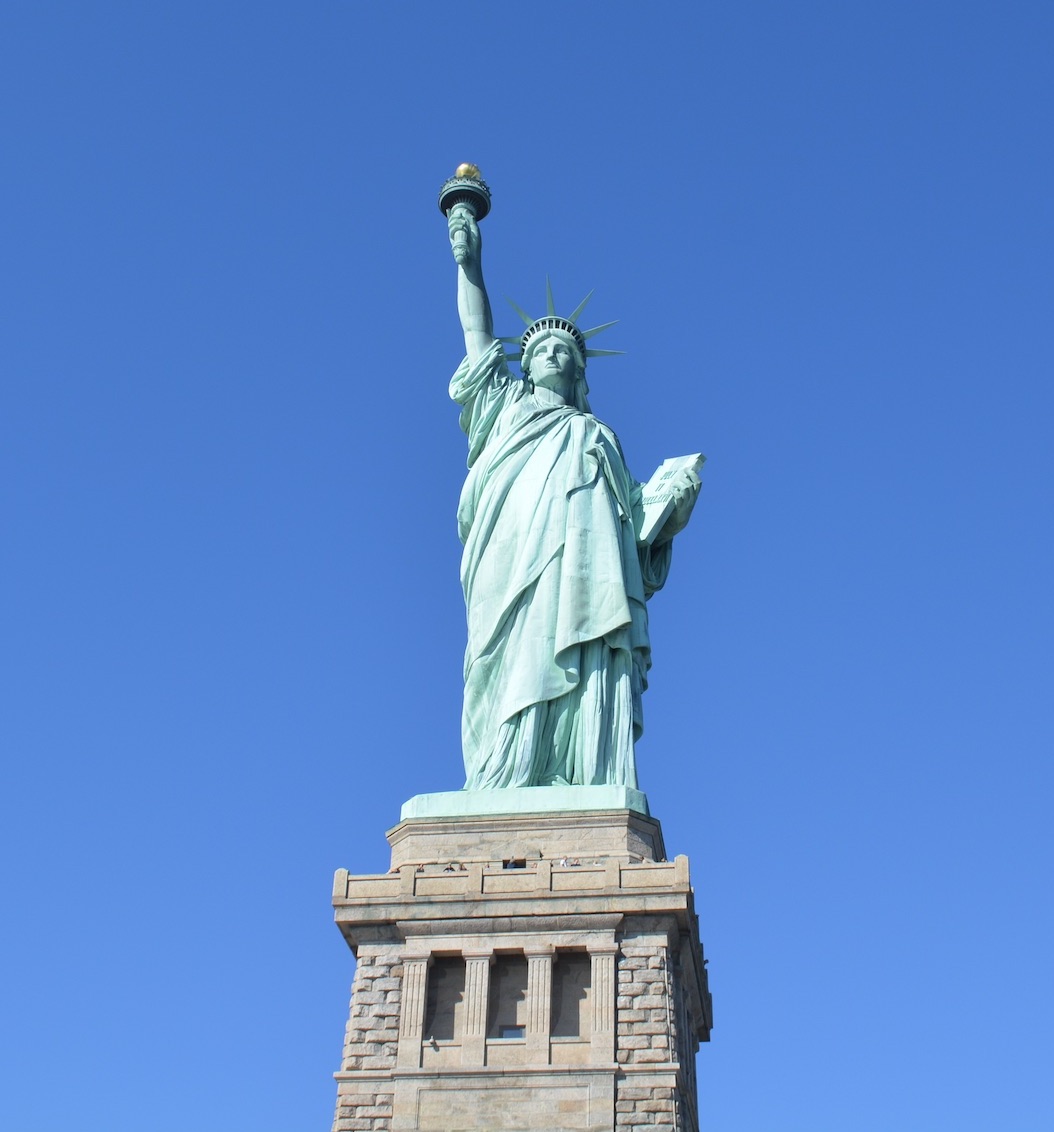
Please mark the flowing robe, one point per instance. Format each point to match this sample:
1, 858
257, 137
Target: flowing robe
555, 589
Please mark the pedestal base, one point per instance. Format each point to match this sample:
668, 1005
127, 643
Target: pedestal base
582, 836
525, 800
532, 972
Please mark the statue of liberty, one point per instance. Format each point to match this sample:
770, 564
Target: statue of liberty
557, 566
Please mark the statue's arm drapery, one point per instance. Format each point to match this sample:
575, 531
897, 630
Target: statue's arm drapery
483, 387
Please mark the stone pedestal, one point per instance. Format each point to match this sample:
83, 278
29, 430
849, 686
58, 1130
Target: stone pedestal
523, 973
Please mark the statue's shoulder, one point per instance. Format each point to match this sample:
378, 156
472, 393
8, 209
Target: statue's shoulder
486, 383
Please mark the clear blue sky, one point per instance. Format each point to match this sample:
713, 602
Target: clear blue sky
232, 627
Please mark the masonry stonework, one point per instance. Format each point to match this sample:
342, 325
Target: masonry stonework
507, 983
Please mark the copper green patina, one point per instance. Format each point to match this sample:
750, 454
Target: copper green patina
559, 559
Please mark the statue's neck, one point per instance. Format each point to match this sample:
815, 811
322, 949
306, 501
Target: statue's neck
550, 398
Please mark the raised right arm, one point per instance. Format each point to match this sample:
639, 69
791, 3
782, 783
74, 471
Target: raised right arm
473, 306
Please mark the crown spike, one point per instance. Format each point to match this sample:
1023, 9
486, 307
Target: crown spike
549, 304
520, 311
603, 353
598, 329
573, 317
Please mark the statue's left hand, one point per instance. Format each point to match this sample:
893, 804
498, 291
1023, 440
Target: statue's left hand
685, 493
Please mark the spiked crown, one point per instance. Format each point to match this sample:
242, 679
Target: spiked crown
552, 321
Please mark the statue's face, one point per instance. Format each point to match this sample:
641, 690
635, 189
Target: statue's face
552, 362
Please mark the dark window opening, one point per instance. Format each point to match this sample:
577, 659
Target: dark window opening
445, 1001
508, 996
572, 974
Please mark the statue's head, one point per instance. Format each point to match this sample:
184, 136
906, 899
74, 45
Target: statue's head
552, 327
544, 341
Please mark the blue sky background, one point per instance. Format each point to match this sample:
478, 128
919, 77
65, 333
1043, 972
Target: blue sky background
232, 627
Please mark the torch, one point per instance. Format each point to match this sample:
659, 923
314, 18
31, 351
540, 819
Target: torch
466, 189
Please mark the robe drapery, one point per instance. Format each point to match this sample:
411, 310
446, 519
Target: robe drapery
555, 588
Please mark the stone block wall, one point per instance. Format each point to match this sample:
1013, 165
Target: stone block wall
371, 1038
645, 1107
645, 1011
357, 1113
655, 1049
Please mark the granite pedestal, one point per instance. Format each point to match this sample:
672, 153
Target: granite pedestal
524, 972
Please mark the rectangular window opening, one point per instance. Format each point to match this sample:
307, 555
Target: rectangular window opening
445, 1003
508, 996
572, 994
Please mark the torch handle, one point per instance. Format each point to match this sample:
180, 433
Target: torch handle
459, 243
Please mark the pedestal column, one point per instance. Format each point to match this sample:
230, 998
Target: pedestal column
539, 1003
411, 1023
477, 999
602, 961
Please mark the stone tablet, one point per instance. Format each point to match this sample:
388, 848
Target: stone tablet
657, 497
